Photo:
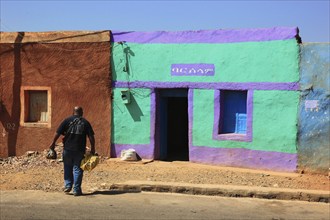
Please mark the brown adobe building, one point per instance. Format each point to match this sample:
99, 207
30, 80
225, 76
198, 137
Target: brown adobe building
42, 77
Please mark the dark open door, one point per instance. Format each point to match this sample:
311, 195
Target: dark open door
172, 124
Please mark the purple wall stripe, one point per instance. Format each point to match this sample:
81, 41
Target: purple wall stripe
239, 157
207, 36
210, 85
233, 137
190, 116
152, 118
143, 150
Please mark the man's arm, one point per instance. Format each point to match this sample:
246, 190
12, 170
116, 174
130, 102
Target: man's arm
92, 141
60, 130
52, 145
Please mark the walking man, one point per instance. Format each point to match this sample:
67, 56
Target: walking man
74, 129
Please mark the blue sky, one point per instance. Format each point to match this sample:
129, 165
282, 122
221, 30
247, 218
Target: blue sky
312, 17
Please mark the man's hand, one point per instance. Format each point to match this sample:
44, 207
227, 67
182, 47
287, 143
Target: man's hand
52, 146
92, 152
92, 141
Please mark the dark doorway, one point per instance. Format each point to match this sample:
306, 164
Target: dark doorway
172, 118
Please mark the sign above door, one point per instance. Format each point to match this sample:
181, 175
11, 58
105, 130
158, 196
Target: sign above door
198, 69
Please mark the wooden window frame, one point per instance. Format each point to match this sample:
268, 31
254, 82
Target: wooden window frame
24, 98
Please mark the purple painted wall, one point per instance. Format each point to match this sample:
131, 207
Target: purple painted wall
210, 36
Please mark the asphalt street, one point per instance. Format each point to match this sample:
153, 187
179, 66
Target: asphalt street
32, 205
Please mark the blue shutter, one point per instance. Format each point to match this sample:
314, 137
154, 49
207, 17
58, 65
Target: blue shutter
240, 127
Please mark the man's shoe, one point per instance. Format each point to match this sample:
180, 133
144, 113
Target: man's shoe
77, 193
67, 190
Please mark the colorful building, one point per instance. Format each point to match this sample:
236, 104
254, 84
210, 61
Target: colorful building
225, 97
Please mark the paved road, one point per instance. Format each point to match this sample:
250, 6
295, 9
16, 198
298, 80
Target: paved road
120, 205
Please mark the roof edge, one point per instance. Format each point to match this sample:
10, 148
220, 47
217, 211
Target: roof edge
208, 36
55, 37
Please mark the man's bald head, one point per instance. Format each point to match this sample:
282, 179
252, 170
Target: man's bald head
77, 110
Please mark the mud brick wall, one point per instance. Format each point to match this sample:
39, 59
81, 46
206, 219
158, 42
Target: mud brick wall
75, 71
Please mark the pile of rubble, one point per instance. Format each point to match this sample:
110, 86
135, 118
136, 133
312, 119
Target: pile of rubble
30, 159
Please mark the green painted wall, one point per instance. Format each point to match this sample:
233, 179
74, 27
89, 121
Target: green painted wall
274, 112
131, 123
269, 61
274, 121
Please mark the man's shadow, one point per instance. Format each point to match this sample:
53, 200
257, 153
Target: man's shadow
109, 192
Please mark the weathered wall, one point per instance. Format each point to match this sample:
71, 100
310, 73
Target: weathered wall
263, 61
314, 113
78, 73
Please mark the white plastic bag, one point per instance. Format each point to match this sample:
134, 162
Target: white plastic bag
128, 155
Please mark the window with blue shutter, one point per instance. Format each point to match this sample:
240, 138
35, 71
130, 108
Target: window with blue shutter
233, 110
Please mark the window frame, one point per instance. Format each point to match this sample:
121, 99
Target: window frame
247, 137
24, 98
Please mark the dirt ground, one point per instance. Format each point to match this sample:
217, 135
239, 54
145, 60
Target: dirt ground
34, 172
